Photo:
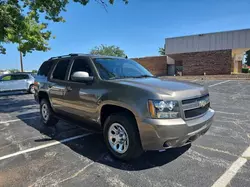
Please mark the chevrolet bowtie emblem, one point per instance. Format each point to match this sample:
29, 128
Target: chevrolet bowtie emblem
202, 103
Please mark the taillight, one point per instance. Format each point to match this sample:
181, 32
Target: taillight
36, 84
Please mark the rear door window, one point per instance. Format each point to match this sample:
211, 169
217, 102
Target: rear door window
61, 69
45, 68
20, 77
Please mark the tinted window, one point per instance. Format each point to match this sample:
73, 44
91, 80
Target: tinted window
6, 78
81, 65
19, 77
111, 68
61, 69
45, 68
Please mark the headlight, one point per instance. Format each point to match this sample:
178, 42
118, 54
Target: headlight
164, 109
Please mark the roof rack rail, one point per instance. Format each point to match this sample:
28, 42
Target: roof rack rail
74, 54
64, 56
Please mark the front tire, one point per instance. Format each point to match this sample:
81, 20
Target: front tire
47, 114
122, 137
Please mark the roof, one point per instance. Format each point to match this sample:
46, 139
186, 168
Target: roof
202, 34
19, 73
228, 40
85, 55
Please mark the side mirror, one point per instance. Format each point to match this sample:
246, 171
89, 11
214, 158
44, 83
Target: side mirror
81, 76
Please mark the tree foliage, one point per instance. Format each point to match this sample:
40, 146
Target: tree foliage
14, 70
248, 58
108, 51
161, 51
25, 22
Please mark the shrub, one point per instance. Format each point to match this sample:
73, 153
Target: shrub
245, 70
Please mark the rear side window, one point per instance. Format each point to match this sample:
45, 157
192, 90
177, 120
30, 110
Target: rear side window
19, 77
45, 68
60, 70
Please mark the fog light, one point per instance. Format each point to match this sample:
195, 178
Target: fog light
170, 143
165, 144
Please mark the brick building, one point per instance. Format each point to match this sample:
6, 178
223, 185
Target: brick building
213, 53
157, 65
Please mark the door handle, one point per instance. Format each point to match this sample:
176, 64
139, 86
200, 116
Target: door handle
68, 88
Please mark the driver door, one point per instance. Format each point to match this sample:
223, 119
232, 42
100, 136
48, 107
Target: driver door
80, 97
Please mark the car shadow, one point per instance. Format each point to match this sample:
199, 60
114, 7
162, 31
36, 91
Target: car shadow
16, 104
93, 147
13, 93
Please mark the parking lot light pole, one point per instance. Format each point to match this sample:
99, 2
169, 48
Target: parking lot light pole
21, 61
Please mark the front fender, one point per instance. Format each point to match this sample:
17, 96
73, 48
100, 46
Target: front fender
119, 104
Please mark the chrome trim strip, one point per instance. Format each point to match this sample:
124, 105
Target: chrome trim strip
194, 105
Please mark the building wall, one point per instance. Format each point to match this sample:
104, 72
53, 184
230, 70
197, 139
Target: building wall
209, 42
157, 65
210, 62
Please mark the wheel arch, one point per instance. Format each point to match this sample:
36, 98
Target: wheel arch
43, 95
109, 108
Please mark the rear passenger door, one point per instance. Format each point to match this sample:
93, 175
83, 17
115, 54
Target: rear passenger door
20, 81
58, 85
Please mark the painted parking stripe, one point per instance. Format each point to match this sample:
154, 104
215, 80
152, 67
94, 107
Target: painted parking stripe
14, 120
229, 113
219, 83
44, 146
225, 179
194, 80
246, 154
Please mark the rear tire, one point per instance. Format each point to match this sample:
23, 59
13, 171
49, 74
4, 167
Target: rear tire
31, 89
122, 137
47, 115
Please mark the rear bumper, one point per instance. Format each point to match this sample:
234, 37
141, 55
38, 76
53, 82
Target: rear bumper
158, 134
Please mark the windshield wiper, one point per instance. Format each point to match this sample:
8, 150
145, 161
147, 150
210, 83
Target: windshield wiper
144, 76
132, 77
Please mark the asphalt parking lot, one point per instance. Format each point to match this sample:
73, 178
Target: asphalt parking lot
65, 155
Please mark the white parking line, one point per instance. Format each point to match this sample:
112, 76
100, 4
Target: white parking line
44, 146
194, 80
246, 154
229, 113
219, 83
225, 179
14, 120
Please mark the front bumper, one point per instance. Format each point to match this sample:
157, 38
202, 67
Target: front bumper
158, 134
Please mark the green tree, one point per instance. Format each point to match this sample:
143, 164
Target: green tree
248, 58
25, 22
34, 71
13, 70
108, 51
161, 51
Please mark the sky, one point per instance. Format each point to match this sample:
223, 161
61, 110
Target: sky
138, 28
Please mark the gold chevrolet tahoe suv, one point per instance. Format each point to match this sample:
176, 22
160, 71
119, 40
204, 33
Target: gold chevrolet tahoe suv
136, 110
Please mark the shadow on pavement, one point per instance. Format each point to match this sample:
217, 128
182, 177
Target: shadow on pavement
10, 104
13, 93
93, 147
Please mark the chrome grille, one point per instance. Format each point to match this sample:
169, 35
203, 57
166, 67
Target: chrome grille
195, 107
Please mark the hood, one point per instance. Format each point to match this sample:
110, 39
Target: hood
169, 87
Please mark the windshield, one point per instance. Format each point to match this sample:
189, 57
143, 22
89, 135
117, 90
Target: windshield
111, 68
